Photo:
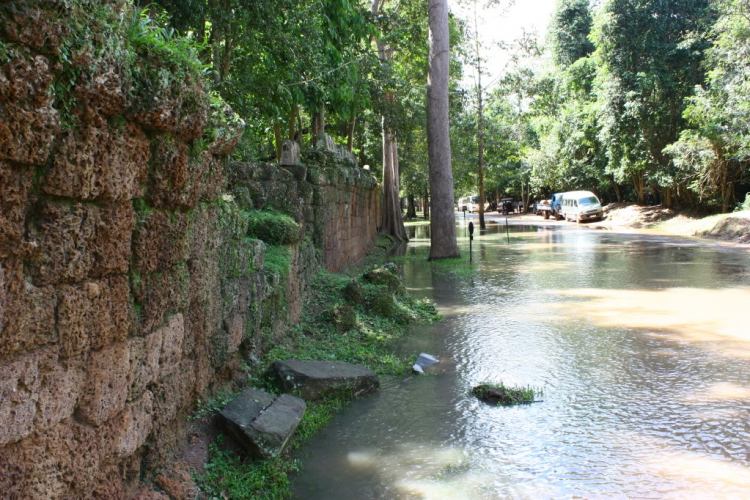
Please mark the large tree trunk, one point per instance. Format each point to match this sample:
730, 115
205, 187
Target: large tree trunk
278, 139
480, 119
411, 207
392, 222
618, 192
443, 243
350, 136
640, 187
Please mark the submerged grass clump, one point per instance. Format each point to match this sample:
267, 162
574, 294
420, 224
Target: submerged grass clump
460, 267
500, 394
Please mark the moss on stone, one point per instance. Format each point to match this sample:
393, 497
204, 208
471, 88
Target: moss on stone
272, 227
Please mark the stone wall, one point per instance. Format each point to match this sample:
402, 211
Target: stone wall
128, 285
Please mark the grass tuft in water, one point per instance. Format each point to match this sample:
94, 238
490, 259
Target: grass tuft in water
500, 394
460, 267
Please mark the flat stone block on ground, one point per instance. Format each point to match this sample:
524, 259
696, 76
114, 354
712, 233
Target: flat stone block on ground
312, 380
263, 423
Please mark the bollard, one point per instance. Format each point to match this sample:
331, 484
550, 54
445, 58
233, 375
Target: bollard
471, 238
507, 231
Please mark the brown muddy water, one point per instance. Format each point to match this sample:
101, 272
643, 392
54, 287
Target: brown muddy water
640, 344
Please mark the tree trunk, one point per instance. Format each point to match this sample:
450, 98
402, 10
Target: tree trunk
293, 119
318, 123
426, 211
350, 138
391, 217
667, 201
392, 222
640, 187
618, 192
443, 244
279, 139
411, 207
480, 118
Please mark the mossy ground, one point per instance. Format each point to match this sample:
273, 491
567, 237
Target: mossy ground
370, 342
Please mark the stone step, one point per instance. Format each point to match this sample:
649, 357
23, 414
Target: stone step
312, 380
263, 423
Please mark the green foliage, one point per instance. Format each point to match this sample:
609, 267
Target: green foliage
227, 475
569, 32
278, 259
150, 35
744, 206
368, 344
273, 227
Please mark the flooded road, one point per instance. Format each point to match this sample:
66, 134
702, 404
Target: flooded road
640, 344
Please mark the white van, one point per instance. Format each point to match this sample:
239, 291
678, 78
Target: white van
580, 206
468, 204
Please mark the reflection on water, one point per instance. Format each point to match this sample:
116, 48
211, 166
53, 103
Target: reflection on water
641, 345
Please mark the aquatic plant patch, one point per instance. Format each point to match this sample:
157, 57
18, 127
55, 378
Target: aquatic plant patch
500, 394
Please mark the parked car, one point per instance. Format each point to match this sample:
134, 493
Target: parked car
550, 208
580, 206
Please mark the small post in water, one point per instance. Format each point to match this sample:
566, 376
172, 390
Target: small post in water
471, 238
507, 231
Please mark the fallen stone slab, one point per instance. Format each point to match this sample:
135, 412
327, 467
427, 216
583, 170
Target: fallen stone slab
263, 423
417, 369
312, 380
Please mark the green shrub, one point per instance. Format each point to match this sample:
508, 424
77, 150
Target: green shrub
273, 227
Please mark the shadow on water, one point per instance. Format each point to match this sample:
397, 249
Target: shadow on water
641, 345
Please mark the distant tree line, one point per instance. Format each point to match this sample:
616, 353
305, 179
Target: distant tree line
636, 100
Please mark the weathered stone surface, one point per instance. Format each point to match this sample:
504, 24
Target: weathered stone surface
27, 312
19, 386
346, 155
159, 241
28, 122
105, 388
93, 315
79, 241
127, 285
382, 303
325, 142
159, 295
289, 153
354, 292
315, 379
173, 335
58, 394
173, 394
344, 317
134, 425
68, 450
227, 129
15, 185
384, 276
177, 481
417, 369
96, 163
144, 355
263, 423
